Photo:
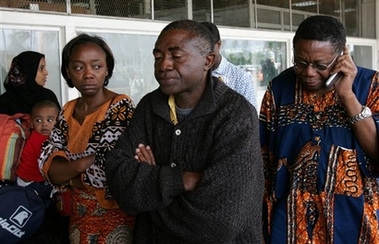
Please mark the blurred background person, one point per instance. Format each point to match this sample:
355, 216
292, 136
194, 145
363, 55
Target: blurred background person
233, 76
24, 84
269, 70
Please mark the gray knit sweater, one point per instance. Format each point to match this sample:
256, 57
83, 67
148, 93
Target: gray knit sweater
218, 138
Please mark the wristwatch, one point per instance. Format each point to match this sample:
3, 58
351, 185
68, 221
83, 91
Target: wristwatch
365, 113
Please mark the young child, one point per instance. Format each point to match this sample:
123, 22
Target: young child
44, 115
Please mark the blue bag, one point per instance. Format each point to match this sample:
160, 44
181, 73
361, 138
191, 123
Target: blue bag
22, 212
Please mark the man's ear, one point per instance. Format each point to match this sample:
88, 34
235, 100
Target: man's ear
209, 61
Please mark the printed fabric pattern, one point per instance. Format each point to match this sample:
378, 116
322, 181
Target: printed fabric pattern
103, 135
319, 184
94, 214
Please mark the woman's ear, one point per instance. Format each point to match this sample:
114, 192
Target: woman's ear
68, 73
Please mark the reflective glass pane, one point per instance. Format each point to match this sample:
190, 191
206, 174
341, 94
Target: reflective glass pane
119, 8
232, 13
170, 10
359, 18
134, 69
330, 7
273, 14
202, 10
350, 11
304, 6
297, 18
263, 59
362, 55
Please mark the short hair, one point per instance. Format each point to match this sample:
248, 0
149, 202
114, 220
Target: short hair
213, 29
83, 39
204, 38
44, 104
322, 28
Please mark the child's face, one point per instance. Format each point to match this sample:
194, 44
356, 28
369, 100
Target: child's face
44, 120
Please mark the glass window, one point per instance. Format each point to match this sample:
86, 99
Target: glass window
362, 55
202, 10
305, 6
272, 14
118, 8
134, 69
269, 18
170, 10
351, 22
231, 13
263, 59
359, 18
14, 41
328, 7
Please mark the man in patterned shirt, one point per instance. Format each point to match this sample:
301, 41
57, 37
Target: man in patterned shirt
233, 76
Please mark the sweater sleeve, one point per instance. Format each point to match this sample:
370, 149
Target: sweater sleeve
228, 199
147, 187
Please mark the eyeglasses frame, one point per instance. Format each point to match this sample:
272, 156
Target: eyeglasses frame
314, 66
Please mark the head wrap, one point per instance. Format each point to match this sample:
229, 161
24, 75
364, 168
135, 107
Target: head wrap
22, 73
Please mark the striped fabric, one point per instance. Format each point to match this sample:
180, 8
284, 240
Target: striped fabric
12, 140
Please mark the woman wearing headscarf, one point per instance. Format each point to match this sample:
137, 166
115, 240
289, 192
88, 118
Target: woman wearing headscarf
24, 84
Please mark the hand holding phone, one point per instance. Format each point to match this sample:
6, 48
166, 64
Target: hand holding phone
334, 78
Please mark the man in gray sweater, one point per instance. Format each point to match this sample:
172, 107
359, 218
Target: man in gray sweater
189, 165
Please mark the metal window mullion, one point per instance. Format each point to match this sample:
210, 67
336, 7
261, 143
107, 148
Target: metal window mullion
152, 9
68, 6
189, 9
212, 12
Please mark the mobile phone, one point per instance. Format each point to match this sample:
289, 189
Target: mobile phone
333, 79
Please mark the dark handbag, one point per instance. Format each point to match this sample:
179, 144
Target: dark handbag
22, 212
